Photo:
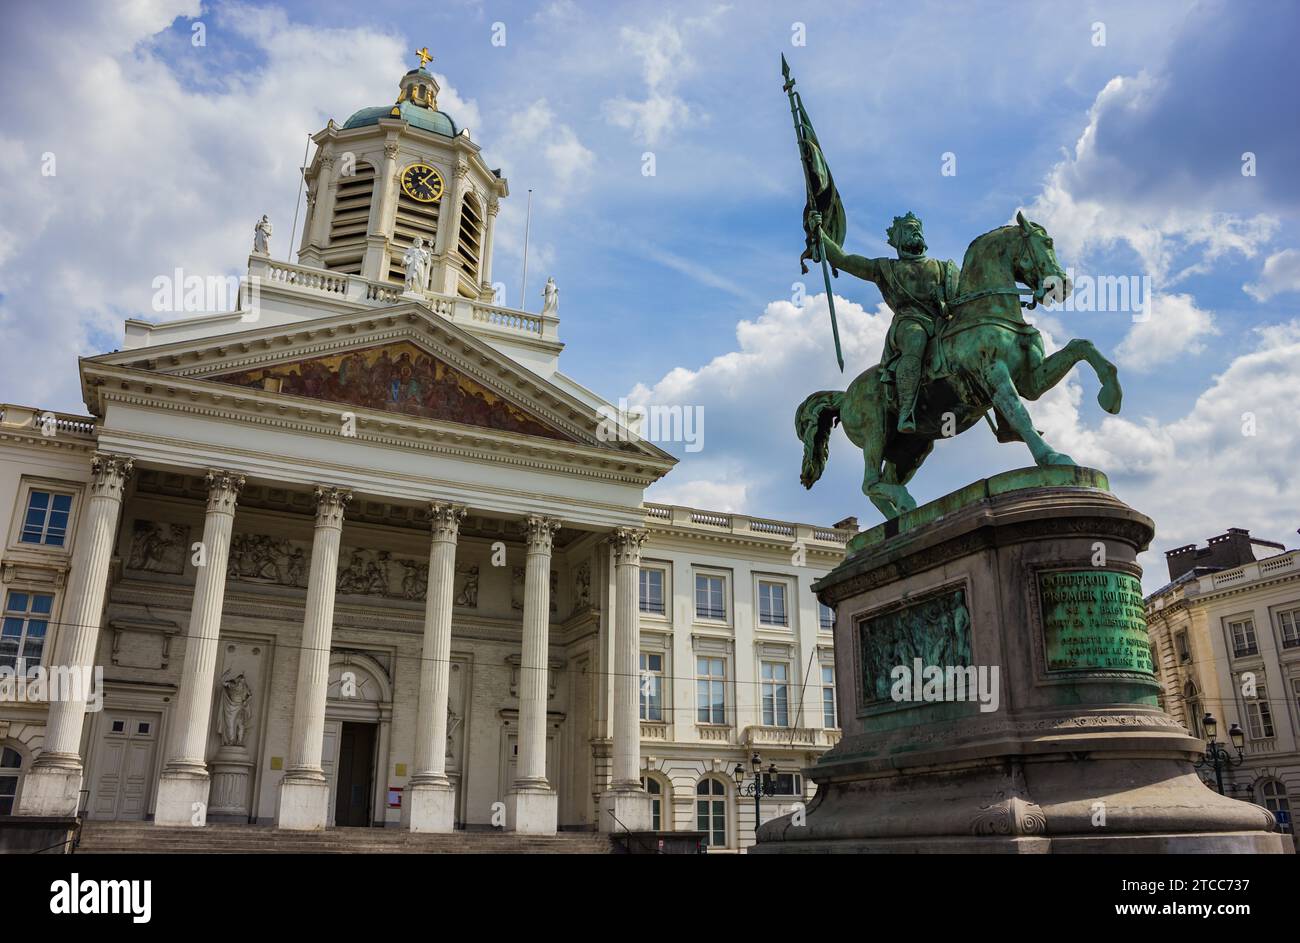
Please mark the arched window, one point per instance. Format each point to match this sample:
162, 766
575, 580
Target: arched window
1272, 796
711, 811
653, 786
11, 773
1192, 706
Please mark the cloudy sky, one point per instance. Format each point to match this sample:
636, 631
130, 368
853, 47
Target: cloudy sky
1159, 141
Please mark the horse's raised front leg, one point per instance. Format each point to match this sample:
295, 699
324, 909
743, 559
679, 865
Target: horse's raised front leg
1007, 401
1051, 370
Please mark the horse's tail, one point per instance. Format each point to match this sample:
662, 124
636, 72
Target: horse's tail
813, 422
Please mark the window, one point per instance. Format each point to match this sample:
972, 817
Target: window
22, 634
1272, 796
785, 784
825, 617
771, 604
711, 690
708, 598
11, 765
656, 791
829, 720
776, 694
1259, 716
711, 812
652, 591
652, 686
47, 518
1192, 698
1243, 638
1290, 623
1184, 650
1295, 689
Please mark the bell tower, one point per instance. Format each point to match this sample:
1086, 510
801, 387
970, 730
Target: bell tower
394, 173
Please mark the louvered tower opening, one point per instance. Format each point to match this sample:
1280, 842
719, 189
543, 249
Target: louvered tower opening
469, 242
413, 219
351, 220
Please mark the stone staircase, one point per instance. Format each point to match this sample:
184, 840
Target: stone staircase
147, 838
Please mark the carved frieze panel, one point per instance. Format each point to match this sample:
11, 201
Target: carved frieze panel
158, 547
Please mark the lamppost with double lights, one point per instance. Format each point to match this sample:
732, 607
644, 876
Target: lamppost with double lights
758, 787
1216, 755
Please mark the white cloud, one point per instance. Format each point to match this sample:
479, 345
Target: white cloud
1095, 198
1281, 274
1173, 327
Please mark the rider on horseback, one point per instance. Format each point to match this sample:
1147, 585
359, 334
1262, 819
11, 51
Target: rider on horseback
917, 290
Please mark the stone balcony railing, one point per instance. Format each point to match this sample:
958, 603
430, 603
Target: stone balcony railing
475, 315
1248, 573
46, 421
742, 524
758, 735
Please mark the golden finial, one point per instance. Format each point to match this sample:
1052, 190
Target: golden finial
425, 56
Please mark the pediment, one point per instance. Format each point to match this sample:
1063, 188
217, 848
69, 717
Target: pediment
398, 377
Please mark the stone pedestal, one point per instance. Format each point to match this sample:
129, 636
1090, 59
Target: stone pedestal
997, 691
625, 810
232, 773
304, 803
431, 807
532, 810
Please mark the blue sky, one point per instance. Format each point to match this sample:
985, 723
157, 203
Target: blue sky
680, 287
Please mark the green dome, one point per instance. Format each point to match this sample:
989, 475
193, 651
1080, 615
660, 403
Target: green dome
414, 111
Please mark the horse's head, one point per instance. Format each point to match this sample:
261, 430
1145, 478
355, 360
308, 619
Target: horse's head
1036, 266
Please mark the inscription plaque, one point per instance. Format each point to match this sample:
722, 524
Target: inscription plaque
1093, 620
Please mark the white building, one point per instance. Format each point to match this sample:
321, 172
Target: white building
359, 553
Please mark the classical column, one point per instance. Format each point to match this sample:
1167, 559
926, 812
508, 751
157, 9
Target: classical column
430, 797
531, 805
625, 805
379, 229
304, 791
485, 263
53, 785
183, 785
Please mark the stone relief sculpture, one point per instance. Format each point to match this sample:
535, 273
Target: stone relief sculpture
582, 586
517, 588
415, 581
235, 712
366, 574
936, 630
467, 598
262, 559
158, 548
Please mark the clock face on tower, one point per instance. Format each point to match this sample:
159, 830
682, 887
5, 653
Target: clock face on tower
422, 182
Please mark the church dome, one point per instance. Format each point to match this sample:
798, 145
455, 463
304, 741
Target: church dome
417, 105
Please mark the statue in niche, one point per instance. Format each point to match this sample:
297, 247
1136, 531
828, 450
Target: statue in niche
582, 587
262, 236
468, 596
235, 712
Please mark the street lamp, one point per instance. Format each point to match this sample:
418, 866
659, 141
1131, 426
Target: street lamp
1216, 755
758, 787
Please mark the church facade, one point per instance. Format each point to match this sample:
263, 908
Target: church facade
358, 553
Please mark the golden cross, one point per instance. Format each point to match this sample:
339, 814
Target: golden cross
425, 56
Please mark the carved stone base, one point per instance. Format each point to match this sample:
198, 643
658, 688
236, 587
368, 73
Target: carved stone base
532, 810
1030, 579
232, 772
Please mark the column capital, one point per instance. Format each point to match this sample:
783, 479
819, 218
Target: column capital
540, 532
108, 474
444, 519
627, 542
330, 505
223, 490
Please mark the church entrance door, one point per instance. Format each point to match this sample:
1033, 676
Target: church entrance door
355, 788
